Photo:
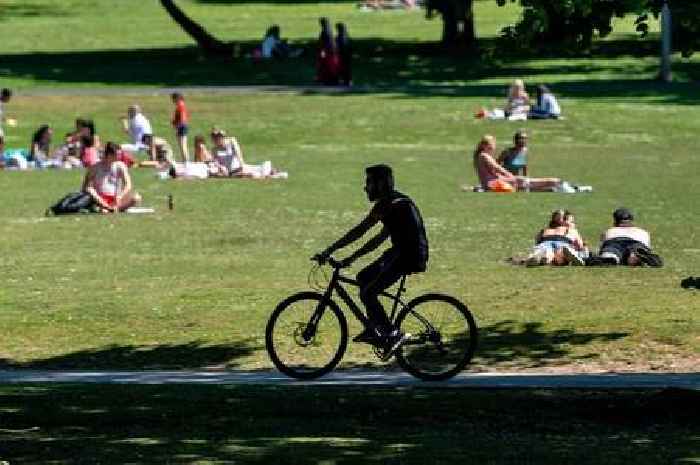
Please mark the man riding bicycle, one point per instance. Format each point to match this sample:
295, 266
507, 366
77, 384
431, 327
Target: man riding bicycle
408, 253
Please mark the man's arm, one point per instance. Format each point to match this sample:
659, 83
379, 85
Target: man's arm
352, 235
369, 246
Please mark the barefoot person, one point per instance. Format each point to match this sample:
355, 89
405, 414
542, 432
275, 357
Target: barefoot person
109, 184
180, 121
402, 222
494, 177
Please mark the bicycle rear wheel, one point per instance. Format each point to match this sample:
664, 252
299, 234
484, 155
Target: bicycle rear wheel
300, 347
443, 337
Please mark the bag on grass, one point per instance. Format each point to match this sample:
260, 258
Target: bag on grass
75, 202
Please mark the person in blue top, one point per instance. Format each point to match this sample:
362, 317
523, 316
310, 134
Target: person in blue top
402, 222
514, 158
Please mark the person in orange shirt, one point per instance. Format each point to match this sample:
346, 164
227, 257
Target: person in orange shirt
180, 120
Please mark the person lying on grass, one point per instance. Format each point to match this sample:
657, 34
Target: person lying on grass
496, 178
158, 149
625, 244
109, 184
559, 243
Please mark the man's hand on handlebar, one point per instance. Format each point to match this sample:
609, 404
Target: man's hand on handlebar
324, 257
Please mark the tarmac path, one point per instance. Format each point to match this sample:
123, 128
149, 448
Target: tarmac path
366, 378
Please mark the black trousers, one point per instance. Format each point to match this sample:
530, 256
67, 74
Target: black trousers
375, 278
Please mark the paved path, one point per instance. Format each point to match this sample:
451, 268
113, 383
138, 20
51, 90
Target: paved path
365, 378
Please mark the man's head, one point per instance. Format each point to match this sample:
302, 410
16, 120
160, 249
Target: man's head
5, 95
218, 136
133, 111
379, 181
111, 150
520, 139
622, 217
176, 97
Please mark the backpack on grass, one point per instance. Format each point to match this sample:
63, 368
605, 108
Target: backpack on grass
75, 202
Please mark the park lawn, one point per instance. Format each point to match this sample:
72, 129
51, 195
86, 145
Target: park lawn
67, 424
194, 287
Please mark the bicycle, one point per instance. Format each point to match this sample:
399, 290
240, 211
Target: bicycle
307, 333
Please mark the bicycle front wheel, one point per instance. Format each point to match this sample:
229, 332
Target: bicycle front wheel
300, 344
442, 338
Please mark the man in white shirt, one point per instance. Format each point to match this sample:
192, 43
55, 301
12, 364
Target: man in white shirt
137, 126
626, 244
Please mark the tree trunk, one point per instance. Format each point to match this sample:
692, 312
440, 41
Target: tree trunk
458, 25
207, 42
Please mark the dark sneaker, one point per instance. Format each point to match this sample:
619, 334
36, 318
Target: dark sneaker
394, 341
368, 336
690, 282
648, 258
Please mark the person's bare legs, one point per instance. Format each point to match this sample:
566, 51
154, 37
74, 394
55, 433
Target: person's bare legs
129, 200
538, 184
182, 144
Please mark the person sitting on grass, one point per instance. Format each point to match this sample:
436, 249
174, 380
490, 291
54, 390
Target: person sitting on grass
559, 243
625, 244
109, 184
494, 177
227, 152
547, 106
517, 105
514, 158
158, 150
40, 150
136, 125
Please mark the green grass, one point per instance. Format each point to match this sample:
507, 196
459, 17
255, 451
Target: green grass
194, 287
227, 424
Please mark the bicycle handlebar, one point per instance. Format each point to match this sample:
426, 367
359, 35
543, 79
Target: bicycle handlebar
330, 260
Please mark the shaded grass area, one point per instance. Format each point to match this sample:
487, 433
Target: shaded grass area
229, 424
504, 344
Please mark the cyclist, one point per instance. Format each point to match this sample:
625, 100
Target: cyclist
408, 253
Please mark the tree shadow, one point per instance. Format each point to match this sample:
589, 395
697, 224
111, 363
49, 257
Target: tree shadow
196, 354
529, 345
31, 11
262, 425
380, 66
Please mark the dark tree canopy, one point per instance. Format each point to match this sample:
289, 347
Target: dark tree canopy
572, 24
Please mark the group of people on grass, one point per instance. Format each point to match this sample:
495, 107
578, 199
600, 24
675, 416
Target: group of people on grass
508, 172
333, 53
560, 243
519, 107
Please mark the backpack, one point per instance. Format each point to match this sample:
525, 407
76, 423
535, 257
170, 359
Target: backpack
75, 202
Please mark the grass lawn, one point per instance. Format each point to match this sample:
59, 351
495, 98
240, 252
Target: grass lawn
226, 424
194, 287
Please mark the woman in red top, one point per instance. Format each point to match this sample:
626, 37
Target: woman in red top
180, 120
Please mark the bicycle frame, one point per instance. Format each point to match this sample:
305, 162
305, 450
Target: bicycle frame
335, 285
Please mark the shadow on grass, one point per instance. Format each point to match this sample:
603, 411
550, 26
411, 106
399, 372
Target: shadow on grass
529, 345
161, 357
31, 11
381, 66
262, 425
503, 344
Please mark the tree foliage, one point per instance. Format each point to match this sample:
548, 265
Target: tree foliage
572, 24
